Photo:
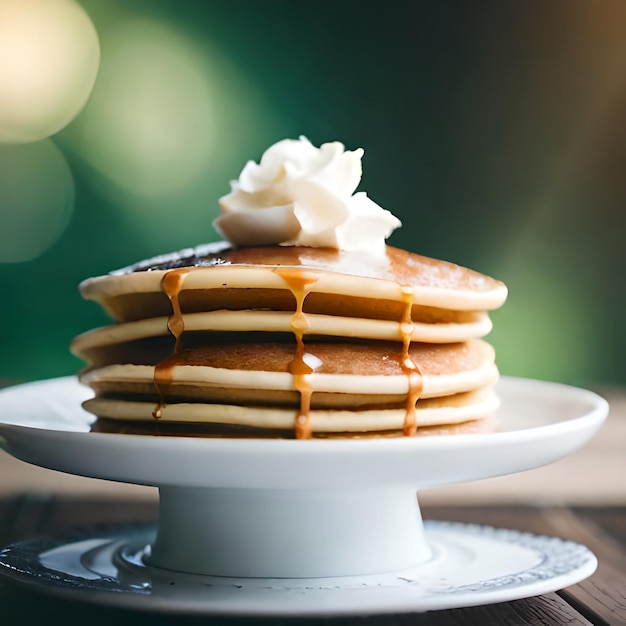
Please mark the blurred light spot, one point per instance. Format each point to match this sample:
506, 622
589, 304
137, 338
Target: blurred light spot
149, 125
49, 56
36, 199
546, 329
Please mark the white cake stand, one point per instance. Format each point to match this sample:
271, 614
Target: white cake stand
319, 509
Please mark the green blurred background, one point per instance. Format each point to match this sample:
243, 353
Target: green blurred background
495, 130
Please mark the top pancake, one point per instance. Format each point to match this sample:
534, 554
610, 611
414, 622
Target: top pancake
256, 278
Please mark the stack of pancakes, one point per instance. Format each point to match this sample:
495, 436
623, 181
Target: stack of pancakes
289, 341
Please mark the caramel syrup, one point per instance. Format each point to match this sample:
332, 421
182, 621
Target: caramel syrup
300, 282
409, 367
171, 284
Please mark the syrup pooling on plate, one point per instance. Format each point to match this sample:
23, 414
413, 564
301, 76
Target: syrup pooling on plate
171, 284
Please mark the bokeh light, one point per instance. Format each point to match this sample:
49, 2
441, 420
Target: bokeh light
49, 56
164, 129
36, 199
545, 330
150, 125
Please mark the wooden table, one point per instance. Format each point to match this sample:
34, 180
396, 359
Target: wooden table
600, 599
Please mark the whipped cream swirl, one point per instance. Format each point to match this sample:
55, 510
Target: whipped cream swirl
304, 196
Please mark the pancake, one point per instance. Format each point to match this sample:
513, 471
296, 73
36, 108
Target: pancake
221, 431
347, 374
269, 277
474, 324
459, 408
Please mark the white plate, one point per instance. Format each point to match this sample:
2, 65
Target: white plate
470, 565
539, 422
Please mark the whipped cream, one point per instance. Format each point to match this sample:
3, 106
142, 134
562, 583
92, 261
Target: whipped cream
301, 195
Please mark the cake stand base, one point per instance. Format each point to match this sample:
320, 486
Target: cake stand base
250, 533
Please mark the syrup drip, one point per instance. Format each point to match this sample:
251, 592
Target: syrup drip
301, 282
410, 369
171, 284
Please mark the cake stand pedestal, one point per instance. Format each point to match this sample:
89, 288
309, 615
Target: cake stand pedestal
288, 533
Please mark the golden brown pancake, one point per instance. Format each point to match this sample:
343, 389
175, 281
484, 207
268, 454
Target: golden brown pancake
174, 429
257, 278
